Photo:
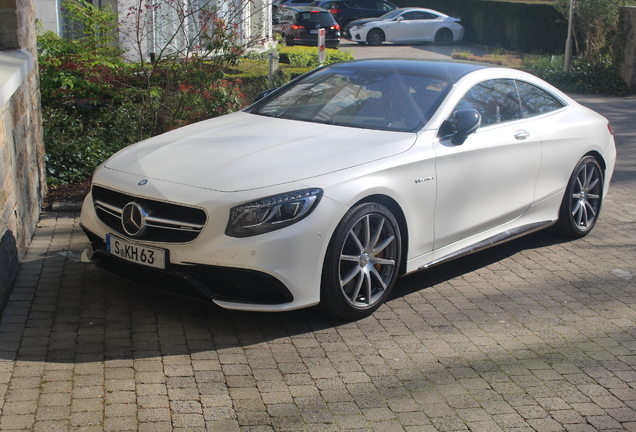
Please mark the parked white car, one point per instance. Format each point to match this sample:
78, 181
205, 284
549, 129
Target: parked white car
407, 25
324, 191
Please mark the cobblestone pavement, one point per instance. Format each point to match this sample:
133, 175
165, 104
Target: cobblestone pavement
534, 335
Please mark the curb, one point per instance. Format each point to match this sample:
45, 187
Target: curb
66, 206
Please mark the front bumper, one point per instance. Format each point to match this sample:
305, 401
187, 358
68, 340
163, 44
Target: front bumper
276, 271
201, 282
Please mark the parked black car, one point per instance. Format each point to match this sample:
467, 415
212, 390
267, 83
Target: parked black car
300, 26
345, 11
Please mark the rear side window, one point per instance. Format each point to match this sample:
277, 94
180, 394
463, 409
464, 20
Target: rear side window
536, 101
324, 18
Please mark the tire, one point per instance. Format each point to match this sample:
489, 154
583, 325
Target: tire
362, 262
375, 37
582, 201
443, 37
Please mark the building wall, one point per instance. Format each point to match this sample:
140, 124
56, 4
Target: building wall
22, 175
48, 13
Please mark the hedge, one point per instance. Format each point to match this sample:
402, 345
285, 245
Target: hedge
528, 27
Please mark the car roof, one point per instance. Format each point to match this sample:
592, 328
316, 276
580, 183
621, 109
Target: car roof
306, 9
450, 71
420, 9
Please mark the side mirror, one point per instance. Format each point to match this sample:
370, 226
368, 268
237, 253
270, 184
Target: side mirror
400, 18
261, 95
466, 122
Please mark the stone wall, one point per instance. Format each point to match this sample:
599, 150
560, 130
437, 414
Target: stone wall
22, 175
627, 47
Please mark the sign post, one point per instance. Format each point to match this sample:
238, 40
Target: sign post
321, 46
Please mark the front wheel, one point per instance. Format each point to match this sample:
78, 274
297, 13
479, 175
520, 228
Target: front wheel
582, 200
362, 262
375, 37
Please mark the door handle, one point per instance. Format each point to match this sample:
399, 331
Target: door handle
521, 135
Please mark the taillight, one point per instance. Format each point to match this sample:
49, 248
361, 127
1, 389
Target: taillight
335, 11
335, 27
609, 127
297, 27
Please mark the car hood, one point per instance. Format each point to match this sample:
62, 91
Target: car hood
243, 151
363, 21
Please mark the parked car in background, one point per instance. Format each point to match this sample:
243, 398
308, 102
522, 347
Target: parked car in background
326, 190
300, 26
407, 25
288, 3
345, 11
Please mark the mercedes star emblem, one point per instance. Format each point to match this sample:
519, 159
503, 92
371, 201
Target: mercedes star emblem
133, 219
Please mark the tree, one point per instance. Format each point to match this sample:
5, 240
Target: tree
594, 23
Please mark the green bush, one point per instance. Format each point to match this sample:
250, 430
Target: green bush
307, 57
78, 138
584, 77
95, 102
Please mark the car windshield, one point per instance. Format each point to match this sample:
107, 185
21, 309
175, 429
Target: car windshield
391, 15
358, 97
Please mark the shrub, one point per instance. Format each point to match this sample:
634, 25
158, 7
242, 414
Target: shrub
307, 57
584, 77
95, 102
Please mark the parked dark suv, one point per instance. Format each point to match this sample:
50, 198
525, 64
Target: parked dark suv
345, 11
300, 25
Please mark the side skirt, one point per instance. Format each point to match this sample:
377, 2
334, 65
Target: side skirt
503, 237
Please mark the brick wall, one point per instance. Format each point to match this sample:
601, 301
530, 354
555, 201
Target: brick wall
22, 175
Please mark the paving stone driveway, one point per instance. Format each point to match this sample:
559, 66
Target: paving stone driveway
536, 334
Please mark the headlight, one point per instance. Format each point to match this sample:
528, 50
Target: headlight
272, 213
358, 26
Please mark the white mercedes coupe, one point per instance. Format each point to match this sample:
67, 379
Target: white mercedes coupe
407, 25
327, 189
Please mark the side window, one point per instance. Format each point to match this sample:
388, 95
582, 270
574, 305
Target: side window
535, 101
409, 16
428, 16
383, 6
496, 101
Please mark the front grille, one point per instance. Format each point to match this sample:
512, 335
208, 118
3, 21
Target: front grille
165, 222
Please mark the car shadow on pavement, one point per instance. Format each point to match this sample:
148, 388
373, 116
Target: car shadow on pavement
91, 316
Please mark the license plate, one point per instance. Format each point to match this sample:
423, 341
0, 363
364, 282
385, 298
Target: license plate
313, 31
144, 255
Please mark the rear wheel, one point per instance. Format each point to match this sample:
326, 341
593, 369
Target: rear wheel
375, 37
362, 262
443, 36
582, 200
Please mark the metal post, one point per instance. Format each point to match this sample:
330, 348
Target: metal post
273, 67
568, 43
